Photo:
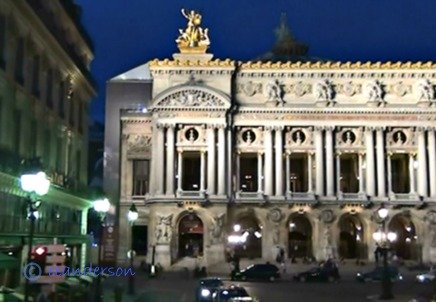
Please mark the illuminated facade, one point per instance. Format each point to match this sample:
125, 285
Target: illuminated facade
45, 90
295, 154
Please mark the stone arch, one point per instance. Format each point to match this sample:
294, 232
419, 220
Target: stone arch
195, 97
300, 236
406, 246
251, 225
182, 236
351, 237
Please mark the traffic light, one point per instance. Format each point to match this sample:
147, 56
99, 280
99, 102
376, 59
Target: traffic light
39, 256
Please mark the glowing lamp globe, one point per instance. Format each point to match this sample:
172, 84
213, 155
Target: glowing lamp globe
132, 215
392, 236
383, 213
37, 183
102, 205
377, 236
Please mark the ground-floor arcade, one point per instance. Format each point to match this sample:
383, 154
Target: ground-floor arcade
207, 232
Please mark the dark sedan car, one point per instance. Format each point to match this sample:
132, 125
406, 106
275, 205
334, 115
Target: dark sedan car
323, 274
206, 288
377, 274
258, 272
231, 294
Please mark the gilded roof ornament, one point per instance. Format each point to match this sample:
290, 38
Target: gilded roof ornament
193, 39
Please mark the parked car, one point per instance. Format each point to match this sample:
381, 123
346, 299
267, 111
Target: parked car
426, 277
258, 272
377, 274
232, 293
319, 274
206, 288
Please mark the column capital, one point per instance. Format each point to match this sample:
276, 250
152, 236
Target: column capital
370, 128
380, 128
170, 125
421, 129
220, 126
160, 126
329, 128
210, 126
278, 128
268, 128
319, 128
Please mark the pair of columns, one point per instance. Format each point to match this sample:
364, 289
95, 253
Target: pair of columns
319, 161
272, 154
164, 152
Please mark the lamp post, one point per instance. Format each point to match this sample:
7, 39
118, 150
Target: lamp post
384, 239
36, 184
101, 206
132, 215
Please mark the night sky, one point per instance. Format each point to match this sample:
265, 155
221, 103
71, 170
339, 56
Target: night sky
128, 33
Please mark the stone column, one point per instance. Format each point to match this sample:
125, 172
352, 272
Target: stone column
170, 160
238, 171
202, 171
432, 160
179, 170
211, 160
338, 175
160, 159
259, 172
422, 163
381, 175
412, 173
221, 161
330, 161
319, 161
279, 160
370, 169
390, 192
288, 173
361, 185
268, 161
309, 173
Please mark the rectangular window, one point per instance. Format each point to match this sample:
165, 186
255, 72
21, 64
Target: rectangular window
62, 99
49, 89
72, 112
80, 119
191, 171
19, 62
248, 173
17, 132
299, 172
47, 147
141, 177
2, 41
140, 239
59, 150
33, 138
349, 164
78, 165
400, 173
35, 76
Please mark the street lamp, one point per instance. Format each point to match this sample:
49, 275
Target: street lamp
101, 206
384, 238
132, 216
36, 184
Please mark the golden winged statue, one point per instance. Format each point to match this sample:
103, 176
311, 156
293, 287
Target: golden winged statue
193, 39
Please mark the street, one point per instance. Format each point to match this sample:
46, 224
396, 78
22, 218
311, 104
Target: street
176, 287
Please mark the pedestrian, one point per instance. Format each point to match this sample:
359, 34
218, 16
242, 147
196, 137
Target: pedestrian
377, 255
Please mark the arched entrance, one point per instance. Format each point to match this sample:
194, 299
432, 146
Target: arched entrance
351, 245
405, 246
245, 237
300, 237
190, 236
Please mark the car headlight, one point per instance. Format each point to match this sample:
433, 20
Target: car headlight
420, 278
359, 274
400, 277
205, 292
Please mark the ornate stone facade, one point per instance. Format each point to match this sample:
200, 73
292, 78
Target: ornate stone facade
298, 155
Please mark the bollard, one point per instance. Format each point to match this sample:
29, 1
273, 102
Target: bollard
118, 293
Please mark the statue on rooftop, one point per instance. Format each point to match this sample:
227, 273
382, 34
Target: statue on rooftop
193, 39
